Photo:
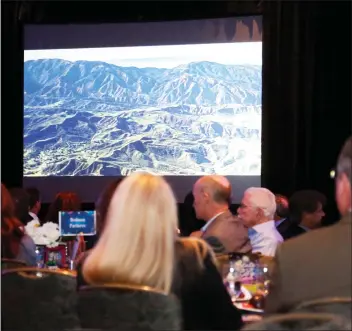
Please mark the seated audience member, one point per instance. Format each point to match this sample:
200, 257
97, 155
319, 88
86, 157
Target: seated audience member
317, 264
257, 211
15, 244
222, 230
139, 246
305, 213
21, 203
34, 204
64, 201
101, 208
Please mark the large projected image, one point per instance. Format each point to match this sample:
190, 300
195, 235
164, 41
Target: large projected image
169, 110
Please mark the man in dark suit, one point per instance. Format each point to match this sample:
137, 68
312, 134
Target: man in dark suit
223, 231
305, 213
34, 204
317, 264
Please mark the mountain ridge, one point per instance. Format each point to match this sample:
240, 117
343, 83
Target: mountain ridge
200, 83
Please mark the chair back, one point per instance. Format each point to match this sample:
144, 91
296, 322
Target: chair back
123, 307
302, 322
12, 263
335, 305
38, 299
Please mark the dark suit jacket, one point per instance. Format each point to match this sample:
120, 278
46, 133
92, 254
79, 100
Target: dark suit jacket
227, 234
314, 265
205, 302
289, 229
283, 226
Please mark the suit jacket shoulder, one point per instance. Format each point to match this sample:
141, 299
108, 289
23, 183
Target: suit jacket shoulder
314, 265
228, 234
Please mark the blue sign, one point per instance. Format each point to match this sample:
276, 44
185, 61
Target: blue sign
72, 223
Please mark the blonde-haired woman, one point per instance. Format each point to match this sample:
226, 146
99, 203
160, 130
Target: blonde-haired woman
138, 242
139, 245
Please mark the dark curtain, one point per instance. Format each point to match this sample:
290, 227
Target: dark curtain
306, 94
11, 94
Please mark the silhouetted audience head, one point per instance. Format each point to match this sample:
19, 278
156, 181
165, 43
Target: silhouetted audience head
137, 244
21, 201
211, 193
281, 207
34, 200
257, 206
64, 201
306, 208
103, 202
189, 200
11, 227
343, 178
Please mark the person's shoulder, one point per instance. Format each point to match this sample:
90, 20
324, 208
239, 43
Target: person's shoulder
191, 245
231, 218
228, 215
27, 240
312, 240
273, 235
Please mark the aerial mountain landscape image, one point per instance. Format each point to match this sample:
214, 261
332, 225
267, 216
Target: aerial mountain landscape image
169, 110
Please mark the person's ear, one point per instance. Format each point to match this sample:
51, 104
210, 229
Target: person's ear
206, 196
260, 213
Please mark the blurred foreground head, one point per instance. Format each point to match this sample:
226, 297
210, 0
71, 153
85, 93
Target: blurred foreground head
64, 201
343, 179
21, 202
11, 227
137, 243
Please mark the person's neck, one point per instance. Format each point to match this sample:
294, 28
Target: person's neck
304, 223
33, 212
216, 211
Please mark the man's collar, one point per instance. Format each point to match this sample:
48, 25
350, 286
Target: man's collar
304, 227
267, 224
207, 224
34, 216
278, 222
217, 215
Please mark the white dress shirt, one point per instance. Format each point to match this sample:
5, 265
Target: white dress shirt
34, 216
265, 238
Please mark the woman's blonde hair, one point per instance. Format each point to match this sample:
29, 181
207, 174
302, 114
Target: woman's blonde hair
137, 243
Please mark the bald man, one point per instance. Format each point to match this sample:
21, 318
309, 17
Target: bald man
223, 231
